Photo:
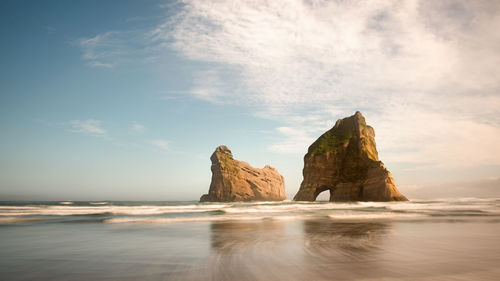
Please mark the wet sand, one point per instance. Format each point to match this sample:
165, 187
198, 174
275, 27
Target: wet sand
314, 249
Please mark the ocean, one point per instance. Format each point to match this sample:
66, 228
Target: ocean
442, 239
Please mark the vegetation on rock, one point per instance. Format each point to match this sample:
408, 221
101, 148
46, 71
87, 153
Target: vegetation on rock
344, 160
332, 140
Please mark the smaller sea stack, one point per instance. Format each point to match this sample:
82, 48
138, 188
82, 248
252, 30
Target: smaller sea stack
234, 180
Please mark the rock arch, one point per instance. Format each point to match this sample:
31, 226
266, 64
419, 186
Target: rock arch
345, 160
320, 192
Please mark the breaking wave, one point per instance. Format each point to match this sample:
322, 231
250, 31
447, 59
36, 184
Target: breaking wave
177, 212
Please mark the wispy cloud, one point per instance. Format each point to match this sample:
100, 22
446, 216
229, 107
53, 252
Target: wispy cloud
412, 66
137, 127
49, 29
478, 188
114, 48
161, 144
425, 73
89, 127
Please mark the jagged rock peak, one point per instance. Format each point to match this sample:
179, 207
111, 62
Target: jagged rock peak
346, 130
224, 149
234, 180
344, 160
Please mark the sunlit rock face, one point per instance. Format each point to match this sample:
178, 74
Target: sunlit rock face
234, 180
344, 160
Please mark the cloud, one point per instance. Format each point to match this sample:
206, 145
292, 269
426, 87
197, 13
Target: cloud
424, 72
297, 141
115, 48
89, 127
138, 128
50, 29
289, 52
484, 188
162, 144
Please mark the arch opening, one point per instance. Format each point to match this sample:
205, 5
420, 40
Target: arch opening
321, 195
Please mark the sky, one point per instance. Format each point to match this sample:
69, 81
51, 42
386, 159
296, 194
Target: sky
127, 100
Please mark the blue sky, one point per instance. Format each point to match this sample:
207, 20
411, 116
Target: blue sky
126, 100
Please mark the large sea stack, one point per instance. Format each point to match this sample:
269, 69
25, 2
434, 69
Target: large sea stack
234, 180
344, 160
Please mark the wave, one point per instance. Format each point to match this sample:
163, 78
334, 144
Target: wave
115, 210
199, 219
66, 203
167, 212
180, 219
379, 216
99, 203
4, 220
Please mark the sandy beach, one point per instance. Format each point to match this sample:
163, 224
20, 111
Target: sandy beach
256, 242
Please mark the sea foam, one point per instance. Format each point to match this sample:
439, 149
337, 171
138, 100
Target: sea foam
172, 212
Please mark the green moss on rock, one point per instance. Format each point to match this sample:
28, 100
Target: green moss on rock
226, 163
370, 155
352, 170
333, 139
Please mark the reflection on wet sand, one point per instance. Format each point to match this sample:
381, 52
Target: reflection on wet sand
341, 251
289, 250
247, 251
450, 240
271, 250
327, 239
235, 236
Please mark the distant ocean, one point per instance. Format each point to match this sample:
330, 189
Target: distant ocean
446, 239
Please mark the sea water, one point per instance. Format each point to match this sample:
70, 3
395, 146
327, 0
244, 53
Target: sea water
446, 239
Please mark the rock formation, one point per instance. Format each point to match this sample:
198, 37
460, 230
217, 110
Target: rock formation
344, 160
234, 180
